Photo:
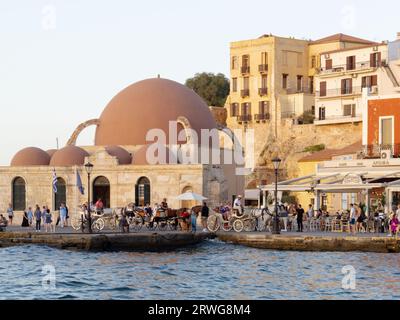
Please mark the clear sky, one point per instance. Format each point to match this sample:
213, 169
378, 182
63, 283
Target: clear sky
61, 61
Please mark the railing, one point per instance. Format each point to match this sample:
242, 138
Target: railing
376, 150
245, 93
245, 70
304, 89
339, 117
339, 92
263, 91
244, 118
344, 67
288, 115
263, 68
262, 117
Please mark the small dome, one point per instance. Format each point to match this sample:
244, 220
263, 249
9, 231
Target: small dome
51, 152
123, 156
69, 156
140, 157
30, 157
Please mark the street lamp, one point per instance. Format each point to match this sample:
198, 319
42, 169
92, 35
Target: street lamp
89, 169
276, 225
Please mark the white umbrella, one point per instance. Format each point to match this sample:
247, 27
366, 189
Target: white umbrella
190, 196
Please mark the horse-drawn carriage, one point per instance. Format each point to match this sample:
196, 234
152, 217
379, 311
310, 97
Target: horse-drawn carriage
107, 218
250, 220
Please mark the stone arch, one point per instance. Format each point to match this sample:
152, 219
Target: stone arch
187, 126
79, 129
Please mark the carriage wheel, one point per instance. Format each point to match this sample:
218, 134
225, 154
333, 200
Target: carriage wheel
213, 223
249, 225
136, 224
76, 223
99, 224
227, 226
238, 225
173, 225
162, 225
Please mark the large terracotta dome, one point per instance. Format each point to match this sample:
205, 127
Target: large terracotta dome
30, 157
150, 104
123, 156
69, 156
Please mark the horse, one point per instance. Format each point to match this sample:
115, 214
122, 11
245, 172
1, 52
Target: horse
264, 219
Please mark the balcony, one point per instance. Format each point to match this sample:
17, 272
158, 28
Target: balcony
375, 150
304, 89
245, 70
263, 91
339, 92
244, 118
262, 117
341, 68
323, 120
263, 68
245, 93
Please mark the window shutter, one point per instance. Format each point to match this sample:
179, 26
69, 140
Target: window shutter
374, 80
322, 89
136, 195
343, 86
232, 110
328, 64
372, 60
379, 59
146, 194
364, 82
350, 86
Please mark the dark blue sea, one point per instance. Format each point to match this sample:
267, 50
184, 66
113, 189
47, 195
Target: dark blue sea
212, 270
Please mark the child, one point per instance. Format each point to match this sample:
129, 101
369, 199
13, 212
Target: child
194, 221
394, 225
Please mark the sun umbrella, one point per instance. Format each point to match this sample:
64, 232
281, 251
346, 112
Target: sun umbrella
190, 196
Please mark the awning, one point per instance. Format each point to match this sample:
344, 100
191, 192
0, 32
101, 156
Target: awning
252, 194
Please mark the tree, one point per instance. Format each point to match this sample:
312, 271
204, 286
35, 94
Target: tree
213, 88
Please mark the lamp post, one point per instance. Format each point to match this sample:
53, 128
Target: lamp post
89, 169
276, 225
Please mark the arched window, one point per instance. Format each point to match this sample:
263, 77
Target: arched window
142, 192
61, 195
101, 190
19, 194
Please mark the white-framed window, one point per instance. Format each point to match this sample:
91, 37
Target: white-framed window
386, 130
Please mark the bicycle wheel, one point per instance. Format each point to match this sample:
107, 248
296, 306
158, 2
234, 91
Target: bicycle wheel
213, 224
238, 225
76, 223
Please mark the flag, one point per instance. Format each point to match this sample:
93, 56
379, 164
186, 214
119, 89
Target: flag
79, 183
54, 181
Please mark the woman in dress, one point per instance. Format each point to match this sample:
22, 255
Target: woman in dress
47, 221
25, 221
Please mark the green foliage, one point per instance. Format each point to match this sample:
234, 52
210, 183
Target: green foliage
307, 117
287, 198
214, 89
316, 148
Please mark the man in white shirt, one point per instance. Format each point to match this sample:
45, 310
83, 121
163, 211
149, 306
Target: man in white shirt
237, 205
310, 212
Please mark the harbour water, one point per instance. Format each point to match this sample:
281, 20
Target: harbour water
211, 270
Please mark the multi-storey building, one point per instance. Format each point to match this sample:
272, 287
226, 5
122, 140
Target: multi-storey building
345, 73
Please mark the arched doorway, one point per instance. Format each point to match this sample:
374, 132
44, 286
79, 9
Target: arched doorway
19, 194
188, 203
61, 195
142, 192
101, 190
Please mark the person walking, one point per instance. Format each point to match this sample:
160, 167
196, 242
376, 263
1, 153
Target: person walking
205, 211
38, 218
394, 225
10, 213
300, 214
30, 216
284, 214
353, 213
25, 222
63, 215
193, 217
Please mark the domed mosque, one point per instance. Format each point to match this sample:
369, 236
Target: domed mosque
140, 139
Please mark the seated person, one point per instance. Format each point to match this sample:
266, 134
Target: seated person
3, 221
184, 221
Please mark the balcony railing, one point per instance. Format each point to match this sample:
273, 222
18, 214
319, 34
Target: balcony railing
339, 92
245, 70
262, 117
245, 93
359, 66
376, 150
339, 117
244, 118
263, 68
263, 91
304, 89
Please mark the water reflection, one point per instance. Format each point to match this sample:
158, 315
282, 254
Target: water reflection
212, 270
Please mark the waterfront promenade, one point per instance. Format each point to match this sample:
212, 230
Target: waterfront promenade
68, 238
